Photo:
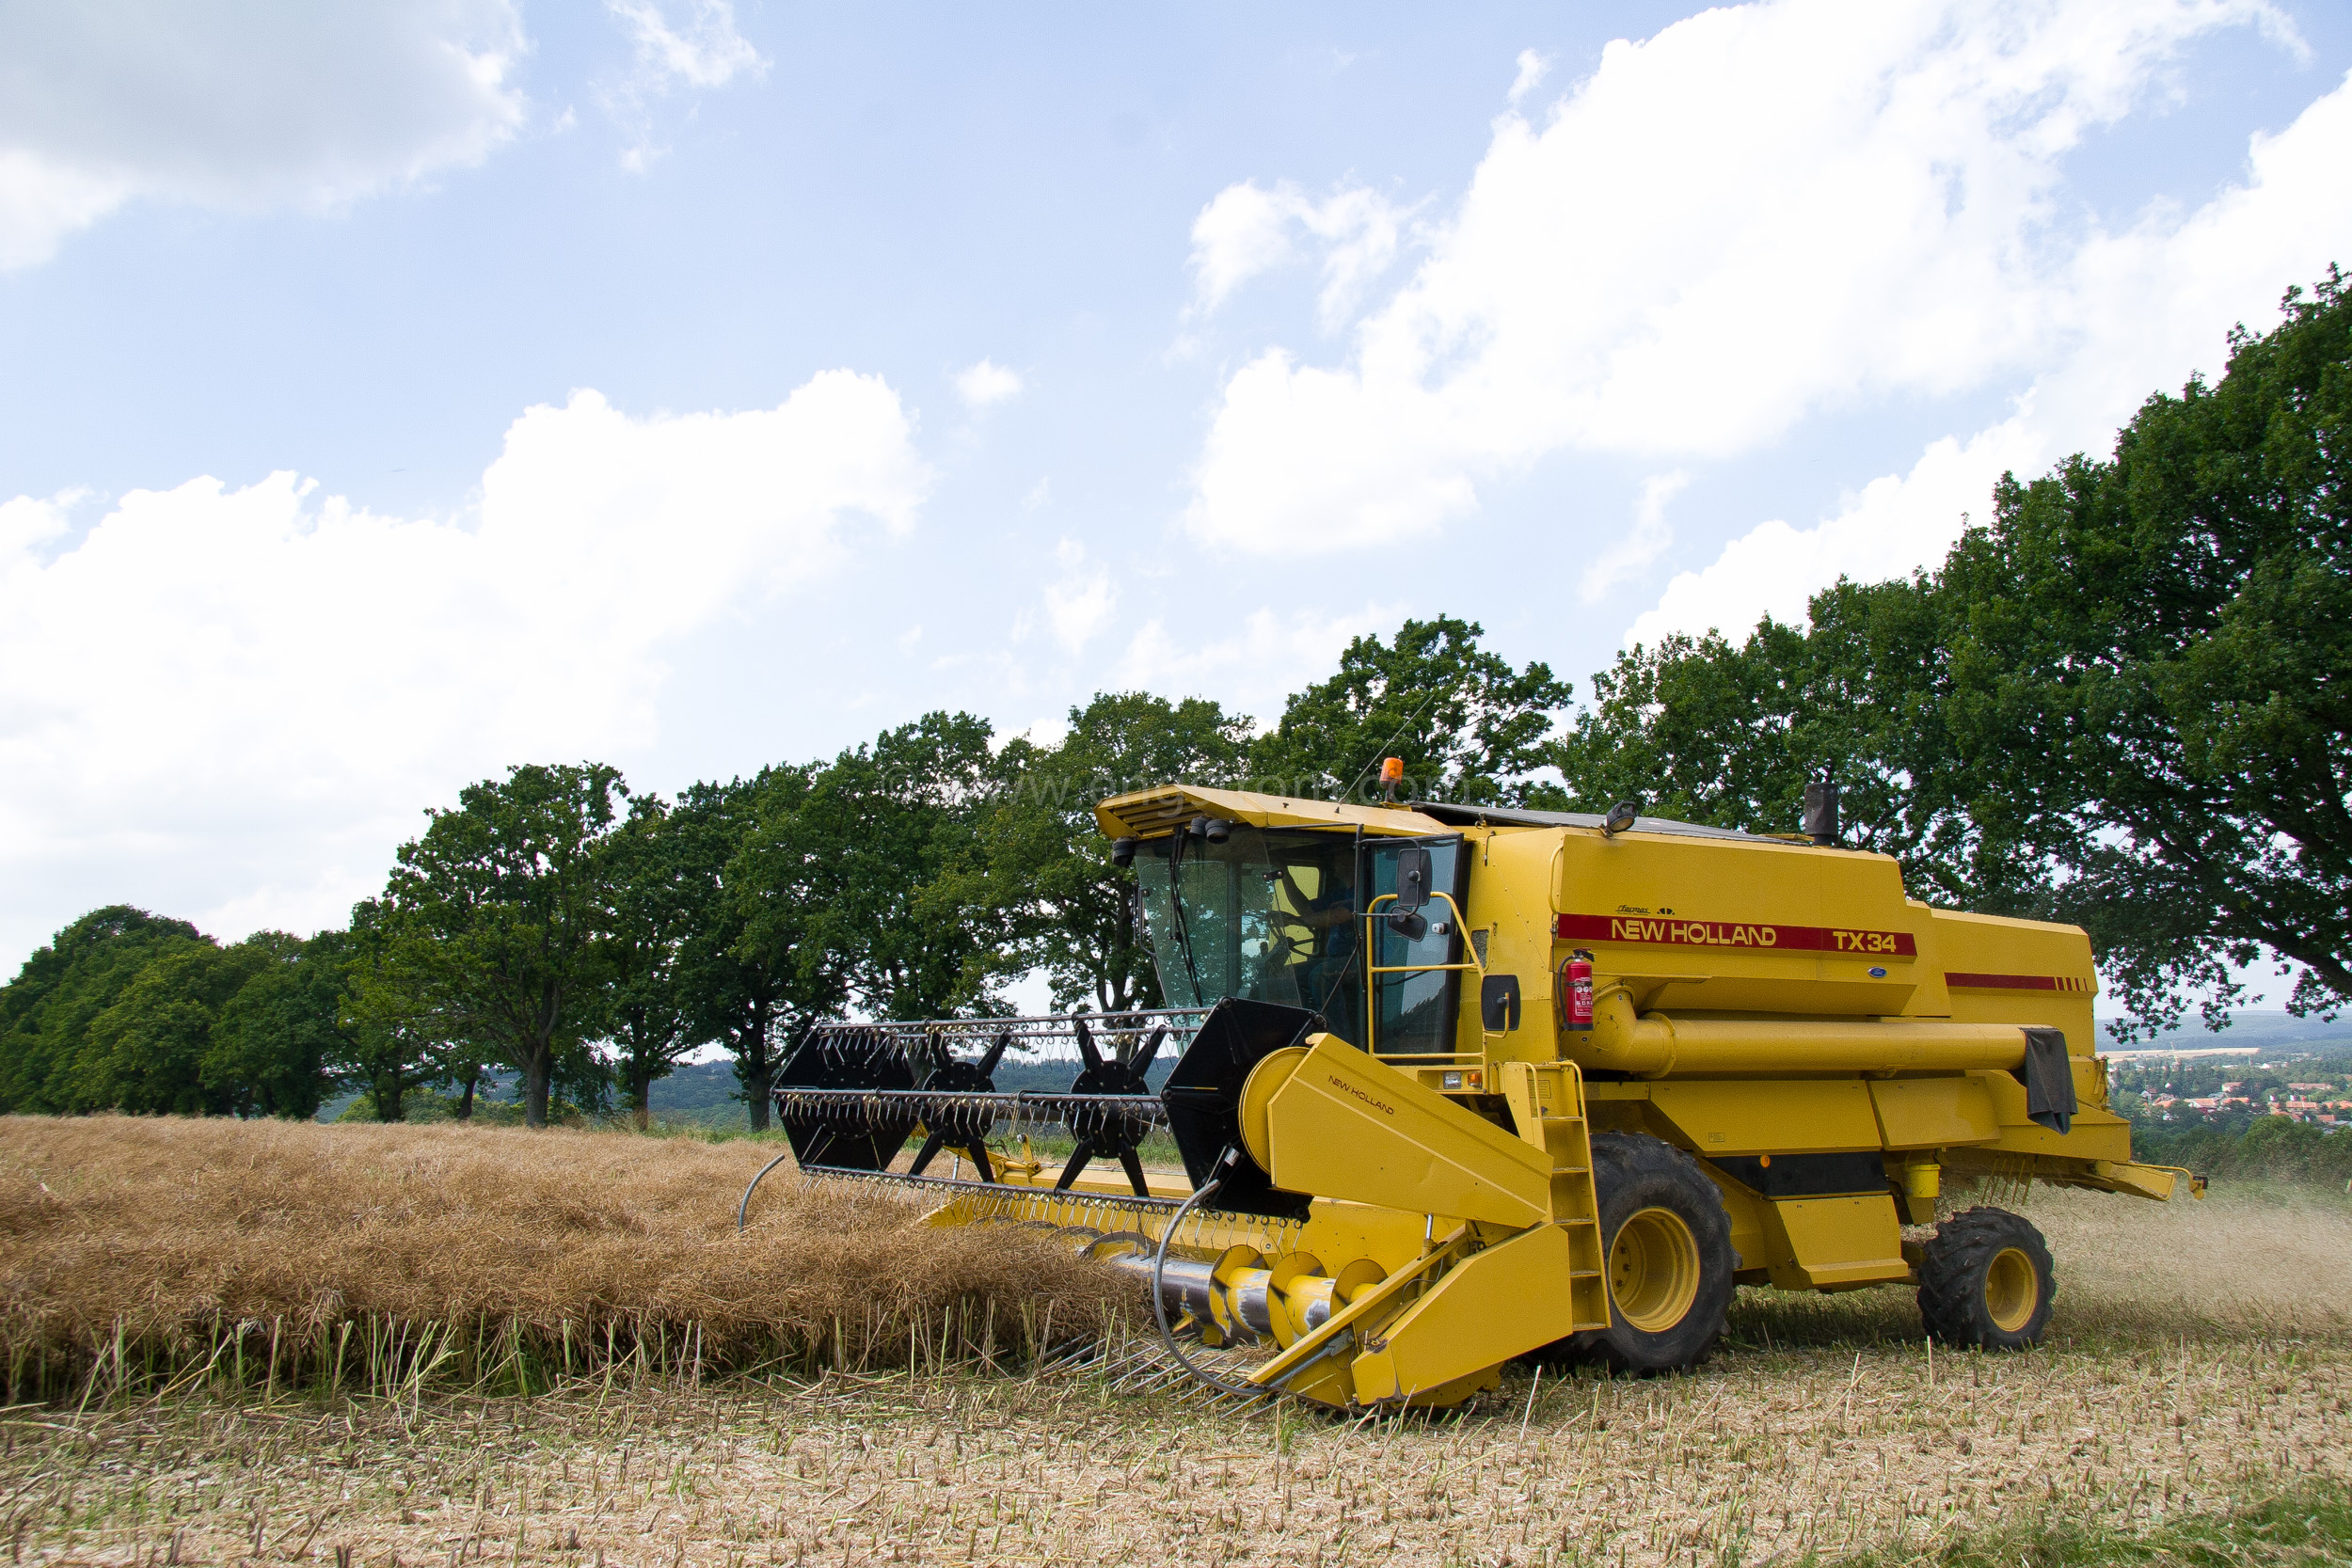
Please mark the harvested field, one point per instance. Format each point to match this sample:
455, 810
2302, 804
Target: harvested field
2201, 1359
382, 1254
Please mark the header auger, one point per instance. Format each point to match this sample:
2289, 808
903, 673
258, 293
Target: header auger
1452, 1086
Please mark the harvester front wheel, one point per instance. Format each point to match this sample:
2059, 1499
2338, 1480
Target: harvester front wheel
1666, 1247
1985, 1280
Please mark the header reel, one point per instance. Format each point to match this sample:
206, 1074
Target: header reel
850, 1095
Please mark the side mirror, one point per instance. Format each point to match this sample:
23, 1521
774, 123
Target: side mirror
1409, 924
1499, 1003
1123, 851
1412, 876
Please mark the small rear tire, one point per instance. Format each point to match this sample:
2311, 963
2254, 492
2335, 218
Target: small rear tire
1666, 1250
1985, 1281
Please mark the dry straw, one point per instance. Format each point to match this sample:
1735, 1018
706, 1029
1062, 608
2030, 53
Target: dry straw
137, 1252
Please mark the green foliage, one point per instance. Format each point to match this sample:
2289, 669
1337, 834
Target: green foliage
2152, 672
148, 1052
870, 880
47, 1010
1467, 725
2304, 1523
125, 1011
659, 897
281, 1040
416, 1105
747, 996
401, 1037
2261, 1149
1698, 729
493, 926
1049, 869
2126, 704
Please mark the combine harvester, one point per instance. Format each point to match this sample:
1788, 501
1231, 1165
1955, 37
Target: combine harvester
1454, 1084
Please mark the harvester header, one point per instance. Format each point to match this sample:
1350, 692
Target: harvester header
1437, 1086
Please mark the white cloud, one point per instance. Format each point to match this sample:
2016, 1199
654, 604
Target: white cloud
264, 683
704, 50
1627, 555
1253, 669
237, 106
1242, 232
2143, 309
1048, 731
1894, 525
1534, 68
1247, 230
1754, 216
986, 384
1079, 602
699, 53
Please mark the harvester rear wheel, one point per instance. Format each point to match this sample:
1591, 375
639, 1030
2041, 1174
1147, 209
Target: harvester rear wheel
1666, 1247
1985, 1280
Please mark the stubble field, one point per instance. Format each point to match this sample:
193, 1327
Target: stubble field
2200, 1369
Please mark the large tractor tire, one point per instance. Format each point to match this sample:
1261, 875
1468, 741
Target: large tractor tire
1666, 1250
1985, 1281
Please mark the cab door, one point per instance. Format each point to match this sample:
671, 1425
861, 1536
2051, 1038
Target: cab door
1415, 996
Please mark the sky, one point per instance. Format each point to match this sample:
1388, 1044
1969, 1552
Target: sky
393, 393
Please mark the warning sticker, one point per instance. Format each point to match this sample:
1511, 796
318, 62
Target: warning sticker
1673, 931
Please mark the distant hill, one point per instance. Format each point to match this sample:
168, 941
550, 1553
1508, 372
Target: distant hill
697, 1091
2266, 1029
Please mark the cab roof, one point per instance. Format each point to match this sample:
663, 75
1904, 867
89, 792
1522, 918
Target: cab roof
1512, 816
1156, 812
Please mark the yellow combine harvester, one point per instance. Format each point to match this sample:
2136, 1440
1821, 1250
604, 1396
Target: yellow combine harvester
1457, 1084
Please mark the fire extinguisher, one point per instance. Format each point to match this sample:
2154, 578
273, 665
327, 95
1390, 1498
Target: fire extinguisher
1576, 991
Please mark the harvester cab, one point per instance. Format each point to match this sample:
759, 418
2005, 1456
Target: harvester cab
1435, 1087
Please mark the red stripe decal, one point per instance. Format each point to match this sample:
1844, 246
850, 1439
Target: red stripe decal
1673, 931
2015, 982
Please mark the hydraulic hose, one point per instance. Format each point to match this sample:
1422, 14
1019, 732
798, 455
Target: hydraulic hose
745, 1208
1159, 1302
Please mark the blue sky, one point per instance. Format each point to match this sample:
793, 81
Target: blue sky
394, 393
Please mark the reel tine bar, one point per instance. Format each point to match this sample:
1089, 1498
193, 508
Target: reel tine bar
849, 1095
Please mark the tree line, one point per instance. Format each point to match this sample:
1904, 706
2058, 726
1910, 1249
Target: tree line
583, 937
2121, 701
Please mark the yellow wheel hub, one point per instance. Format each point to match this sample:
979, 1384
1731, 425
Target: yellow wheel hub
1654, 1270
2012, 1290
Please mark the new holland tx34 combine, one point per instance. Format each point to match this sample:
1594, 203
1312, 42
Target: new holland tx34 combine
1452, 1086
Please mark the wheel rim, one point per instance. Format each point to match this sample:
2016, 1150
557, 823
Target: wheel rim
1654, 1270
2012, 1290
